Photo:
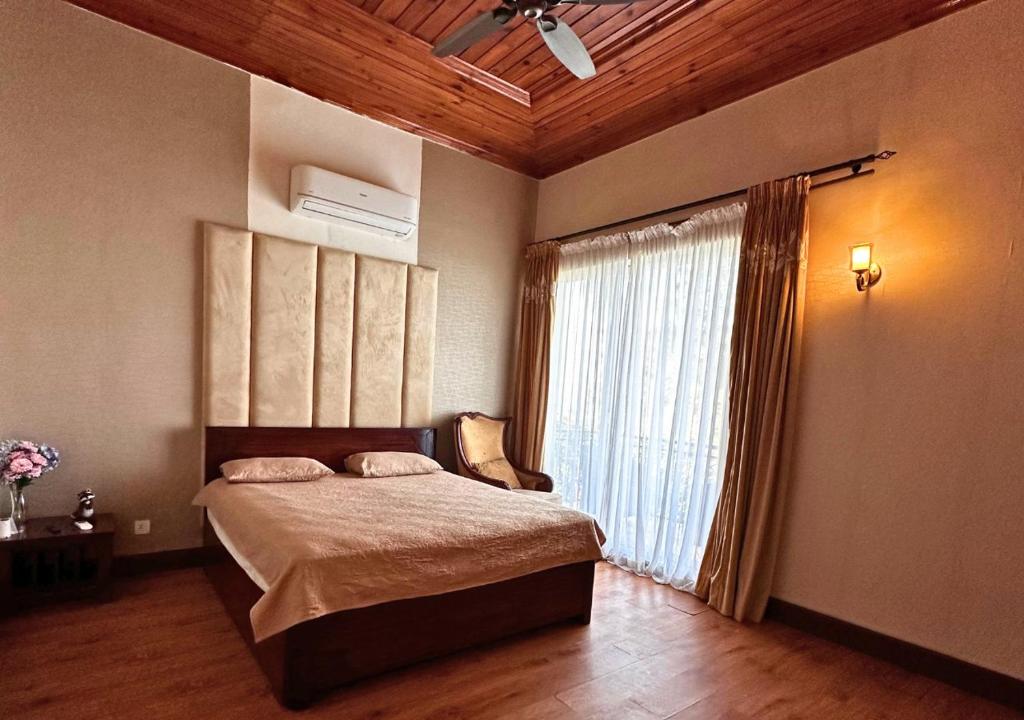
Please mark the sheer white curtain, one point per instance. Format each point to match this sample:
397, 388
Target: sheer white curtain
637, 407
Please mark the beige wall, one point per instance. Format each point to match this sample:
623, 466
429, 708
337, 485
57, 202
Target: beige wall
905, 509
474, 221
288, 128
113, 148
907, 503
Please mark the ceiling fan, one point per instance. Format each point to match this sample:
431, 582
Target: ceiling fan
559, 37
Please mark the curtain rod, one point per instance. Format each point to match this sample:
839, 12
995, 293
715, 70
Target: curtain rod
855, 166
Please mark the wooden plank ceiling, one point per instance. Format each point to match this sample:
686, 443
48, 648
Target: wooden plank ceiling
507, 99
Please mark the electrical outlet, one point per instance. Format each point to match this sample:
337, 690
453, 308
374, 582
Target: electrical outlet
142, 527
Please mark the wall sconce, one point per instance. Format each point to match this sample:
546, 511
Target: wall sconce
868, 273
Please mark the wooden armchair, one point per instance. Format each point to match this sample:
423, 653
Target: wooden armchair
481, 453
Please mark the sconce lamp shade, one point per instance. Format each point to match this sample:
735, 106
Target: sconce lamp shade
860, 257
868, 273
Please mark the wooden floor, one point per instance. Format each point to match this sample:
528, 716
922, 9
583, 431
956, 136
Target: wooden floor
166, 649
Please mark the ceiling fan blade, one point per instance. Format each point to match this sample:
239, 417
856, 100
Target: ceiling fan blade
567, 47
476, 29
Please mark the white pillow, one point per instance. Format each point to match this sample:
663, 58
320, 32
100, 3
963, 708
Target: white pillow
390, 464
274, 469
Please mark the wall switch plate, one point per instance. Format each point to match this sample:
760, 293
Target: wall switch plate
142, 527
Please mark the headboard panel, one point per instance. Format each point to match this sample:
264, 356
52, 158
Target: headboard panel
328, 445
298, 335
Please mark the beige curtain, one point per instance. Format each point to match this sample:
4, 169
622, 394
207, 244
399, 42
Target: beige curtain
739, 560
530, 389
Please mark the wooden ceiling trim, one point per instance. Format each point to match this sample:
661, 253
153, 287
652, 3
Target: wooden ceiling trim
405, 85
665, 111
389, 103
467, 70
507, 99
707, 49
482, 77
413, 56
689, 91
376, 39
522, 162
399, 88
462, 117
371, 70
767, 44
667, 72
513, 153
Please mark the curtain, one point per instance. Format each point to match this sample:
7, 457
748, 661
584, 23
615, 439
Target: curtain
637, 418
530, 386
736, 572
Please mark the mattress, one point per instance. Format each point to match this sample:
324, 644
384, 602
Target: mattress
234, 552
343, 542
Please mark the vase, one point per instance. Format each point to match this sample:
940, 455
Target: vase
19, 515
6, 511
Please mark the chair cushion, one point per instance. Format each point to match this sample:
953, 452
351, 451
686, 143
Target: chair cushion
482, 439
499, 469
551, 497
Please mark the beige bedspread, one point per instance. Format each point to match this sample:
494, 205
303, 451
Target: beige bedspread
344, 542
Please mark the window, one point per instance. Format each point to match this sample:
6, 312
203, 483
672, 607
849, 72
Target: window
637, 417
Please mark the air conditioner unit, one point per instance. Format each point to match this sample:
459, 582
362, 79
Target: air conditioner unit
343, 200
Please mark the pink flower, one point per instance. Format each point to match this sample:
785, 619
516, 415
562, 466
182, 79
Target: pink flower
20, 465
38, 459
35, 472
17, 454
26, 445
10, 476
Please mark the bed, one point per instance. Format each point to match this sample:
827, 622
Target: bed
307, 659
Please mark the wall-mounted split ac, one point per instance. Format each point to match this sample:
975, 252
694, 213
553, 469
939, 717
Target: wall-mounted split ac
353, 203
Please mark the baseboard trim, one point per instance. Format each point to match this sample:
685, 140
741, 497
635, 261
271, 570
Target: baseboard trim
995, 686
134, 565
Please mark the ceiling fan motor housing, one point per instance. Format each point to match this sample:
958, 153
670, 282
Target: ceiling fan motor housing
532, 9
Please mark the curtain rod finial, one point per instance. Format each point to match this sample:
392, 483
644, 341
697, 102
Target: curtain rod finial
885, 155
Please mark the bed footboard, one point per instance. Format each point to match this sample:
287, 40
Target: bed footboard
311, 658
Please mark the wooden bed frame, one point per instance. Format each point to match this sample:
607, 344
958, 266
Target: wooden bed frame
308, 659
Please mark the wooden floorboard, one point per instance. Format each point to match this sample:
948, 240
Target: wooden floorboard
166, 649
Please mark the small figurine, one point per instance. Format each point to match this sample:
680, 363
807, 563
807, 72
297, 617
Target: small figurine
83, 515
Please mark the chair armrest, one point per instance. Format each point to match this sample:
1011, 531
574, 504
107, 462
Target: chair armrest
496, 483
538, 481
474, 475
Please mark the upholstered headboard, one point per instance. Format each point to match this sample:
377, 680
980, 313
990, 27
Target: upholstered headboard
298, 335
